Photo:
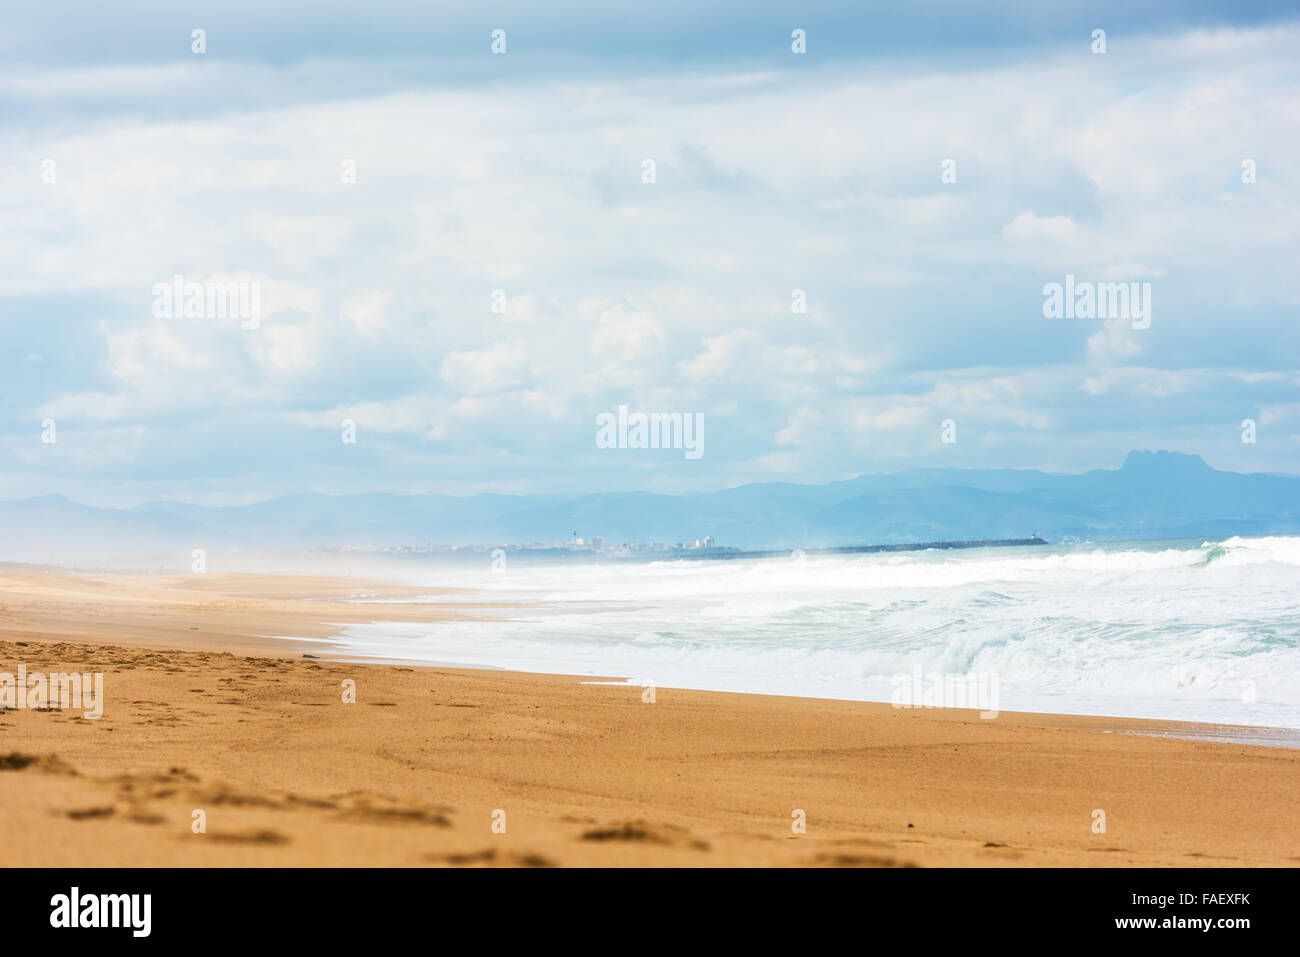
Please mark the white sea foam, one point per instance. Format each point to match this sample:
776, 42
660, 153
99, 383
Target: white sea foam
1202, 633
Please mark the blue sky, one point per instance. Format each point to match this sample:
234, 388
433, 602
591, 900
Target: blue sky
523, 173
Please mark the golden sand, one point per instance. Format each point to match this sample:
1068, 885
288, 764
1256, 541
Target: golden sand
201, 714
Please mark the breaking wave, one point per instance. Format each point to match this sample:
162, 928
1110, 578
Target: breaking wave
1207, 632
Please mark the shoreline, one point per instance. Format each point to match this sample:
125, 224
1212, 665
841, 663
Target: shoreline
340, 601
1259, 735
413, 771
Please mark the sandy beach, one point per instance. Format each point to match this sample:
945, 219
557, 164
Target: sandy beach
204, 713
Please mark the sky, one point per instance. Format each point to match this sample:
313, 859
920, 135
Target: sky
458, 251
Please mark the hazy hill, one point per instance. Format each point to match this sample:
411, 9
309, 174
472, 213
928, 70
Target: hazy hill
1153, 495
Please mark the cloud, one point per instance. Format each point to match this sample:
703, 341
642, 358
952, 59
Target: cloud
1116, 341
719, 356
497, 368
622, 332
924, 297
1028, 226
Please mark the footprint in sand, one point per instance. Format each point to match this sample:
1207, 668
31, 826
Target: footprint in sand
640, 832
248, 837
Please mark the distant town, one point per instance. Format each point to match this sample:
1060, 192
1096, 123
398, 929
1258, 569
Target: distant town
700, 548
596, 545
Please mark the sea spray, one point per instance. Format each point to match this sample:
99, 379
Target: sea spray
1129, 629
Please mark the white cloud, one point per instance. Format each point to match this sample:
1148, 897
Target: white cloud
376, 294
623, 332
1028, 226
368, 313
1115, 341
719, 356
497, 368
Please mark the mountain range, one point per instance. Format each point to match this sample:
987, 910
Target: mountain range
1152, 495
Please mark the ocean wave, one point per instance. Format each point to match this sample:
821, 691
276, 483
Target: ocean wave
1208, 632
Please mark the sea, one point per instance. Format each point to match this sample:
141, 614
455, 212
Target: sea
1191, 630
